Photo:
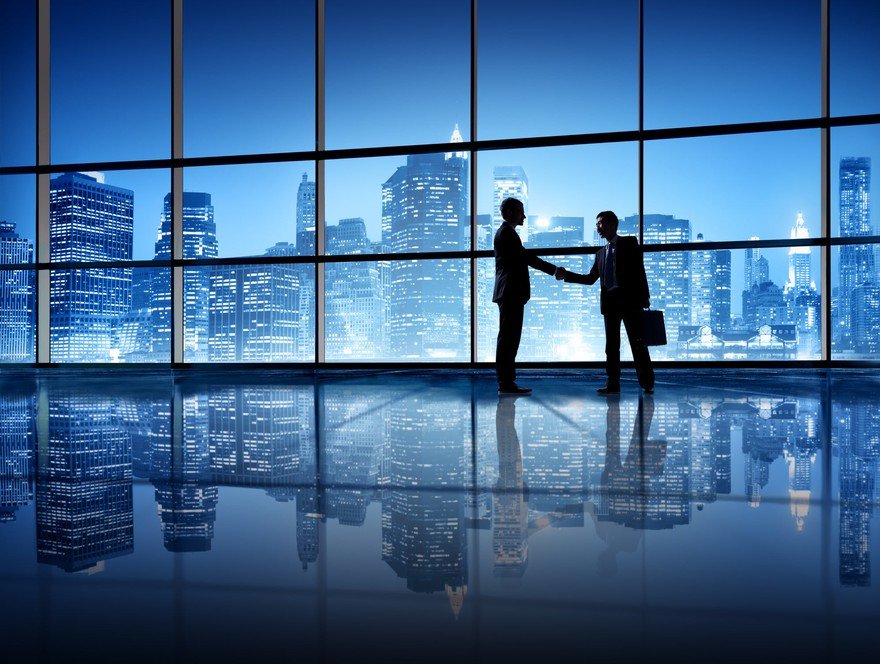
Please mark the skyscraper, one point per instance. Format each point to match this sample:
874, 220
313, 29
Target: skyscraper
354, 304
757, 269
856, 260
799, 259
702, 285
16, 297
305, 217
669, 272
424, 209
89, 220
720, 314
199, 241
509, 182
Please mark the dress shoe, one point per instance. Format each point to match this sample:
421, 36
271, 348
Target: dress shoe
609, 389
513, 388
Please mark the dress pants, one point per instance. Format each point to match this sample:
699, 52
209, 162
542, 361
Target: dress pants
509, 335
615, 313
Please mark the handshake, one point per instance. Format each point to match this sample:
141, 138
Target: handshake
560, 273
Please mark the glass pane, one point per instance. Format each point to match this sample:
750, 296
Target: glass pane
557, 67
853, 151
418, 203
17, 218
765, 186
249, 76
854, 46
560, 189
112, 216
416, 310
709, 312
252, 210
18, 92
112, 314
715, 63
855, 302
249, 313
562, 321
398, 72
111, 80
16, 306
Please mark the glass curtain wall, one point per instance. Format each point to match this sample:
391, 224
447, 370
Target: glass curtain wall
319, 181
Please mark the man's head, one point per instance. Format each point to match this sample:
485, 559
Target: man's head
513, 212
606, 224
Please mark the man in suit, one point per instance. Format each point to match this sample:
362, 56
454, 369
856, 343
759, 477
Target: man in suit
620, 269
512, 291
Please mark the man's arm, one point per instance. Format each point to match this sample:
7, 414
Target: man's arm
539, 263
641, 277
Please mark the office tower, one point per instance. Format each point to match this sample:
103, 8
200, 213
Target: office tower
254, 313
856, 260
185, 497
720, 313
17, 415
487, 311
553, 329
199, 241
16, 297
354, 303
799, 259
83, 488
424, 209
858, 433
757, 269
254, 436
702, 285
305, 217
89, 220
423, 536
669, 272
351, 455
865, 320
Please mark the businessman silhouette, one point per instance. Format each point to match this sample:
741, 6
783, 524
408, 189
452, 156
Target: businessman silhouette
512, 291
620, 268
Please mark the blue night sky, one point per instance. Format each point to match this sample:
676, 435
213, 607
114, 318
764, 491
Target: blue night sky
397, 72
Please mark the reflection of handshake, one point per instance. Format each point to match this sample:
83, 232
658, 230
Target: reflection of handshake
560, 273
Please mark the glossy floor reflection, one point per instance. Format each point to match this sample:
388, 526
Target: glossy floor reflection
410, 518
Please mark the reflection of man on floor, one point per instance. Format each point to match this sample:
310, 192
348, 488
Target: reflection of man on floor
625, 484
510, 524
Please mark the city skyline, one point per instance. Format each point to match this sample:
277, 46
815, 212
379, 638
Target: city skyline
83, 230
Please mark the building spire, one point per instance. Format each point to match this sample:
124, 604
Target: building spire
456, 138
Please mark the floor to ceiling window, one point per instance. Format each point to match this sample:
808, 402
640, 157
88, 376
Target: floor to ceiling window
319, 181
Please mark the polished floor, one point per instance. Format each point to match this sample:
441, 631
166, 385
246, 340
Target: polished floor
207, 516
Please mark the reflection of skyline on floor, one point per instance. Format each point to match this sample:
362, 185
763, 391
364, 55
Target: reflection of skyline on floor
621, 466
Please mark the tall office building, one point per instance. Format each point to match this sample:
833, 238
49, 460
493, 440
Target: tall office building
554, 329
702, 285
669, 272
354, 301
856, 260
720, 314
89, 220
254, 313
424, 209
16, 297
83, 489
17, 424
757, 269
305, 217
799, 259
865, 320
199, 241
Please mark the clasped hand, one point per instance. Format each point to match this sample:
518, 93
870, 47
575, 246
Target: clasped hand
560, 273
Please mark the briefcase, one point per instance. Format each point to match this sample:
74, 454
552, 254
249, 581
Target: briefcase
654, 327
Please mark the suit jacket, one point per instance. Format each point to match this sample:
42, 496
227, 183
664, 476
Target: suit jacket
512, 263
629, 268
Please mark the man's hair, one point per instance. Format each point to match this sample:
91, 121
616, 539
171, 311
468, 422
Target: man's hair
508, 205
608, 217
